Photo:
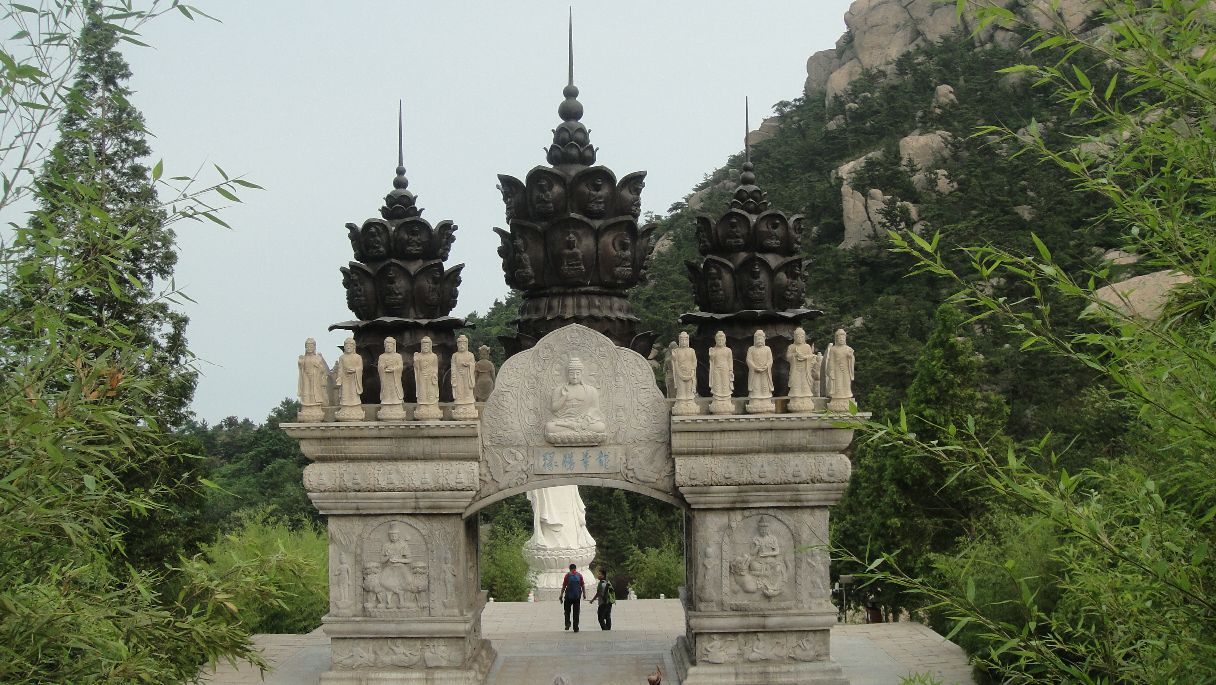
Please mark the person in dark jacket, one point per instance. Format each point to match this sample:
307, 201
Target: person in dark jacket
574, 588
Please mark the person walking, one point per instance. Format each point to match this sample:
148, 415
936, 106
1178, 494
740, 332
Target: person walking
605, 594
573, 590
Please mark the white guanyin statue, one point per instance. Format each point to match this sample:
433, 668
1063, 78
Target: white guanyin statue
559, 537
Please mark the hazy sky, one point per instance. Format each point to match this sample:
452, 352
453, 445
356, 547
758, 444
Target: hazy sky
301, 97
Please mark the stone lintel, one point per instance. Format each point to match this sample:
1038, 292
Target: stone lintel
425, 626
369, 503
750, 422
758, 621
381, 440
761, 496
698, 436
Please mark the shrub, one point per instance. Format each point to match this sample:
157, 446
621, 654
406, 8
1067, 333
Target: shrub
294, 562
504, 572
656, 571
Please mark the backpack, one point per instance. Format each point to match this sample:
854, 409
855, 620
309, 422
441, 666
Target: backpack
573, 584
611, 592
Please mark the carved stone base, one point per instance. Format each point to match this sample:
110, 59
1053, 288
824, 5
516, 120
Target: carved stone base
721, 405
764, 672
686, 408
839, 403
761, 406
353, 412
311, 414
800, 405
550, 566
405, 661
464, 412
392, 412
428, 412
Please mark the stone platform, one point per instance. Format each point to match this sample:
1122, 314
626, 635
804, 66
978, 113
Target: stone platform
533, 648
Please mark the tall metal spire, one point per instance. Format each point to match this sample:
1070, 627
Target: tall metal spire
747, 148
748, 177
400, 182
571, 139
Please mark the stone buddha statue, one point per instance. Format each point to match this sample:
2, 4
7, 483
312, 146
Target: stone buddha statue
577, 418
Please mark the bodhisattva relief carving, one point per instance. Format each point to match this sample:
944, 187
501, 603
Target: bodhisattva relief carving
543, 405
727, 648
707, 587
354, 654
395, 571
342, 597
760, 549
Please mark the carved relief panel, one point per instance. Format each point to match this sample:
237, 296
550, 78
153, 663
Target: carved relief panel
397, 566
727, 648
605, 419
758, 566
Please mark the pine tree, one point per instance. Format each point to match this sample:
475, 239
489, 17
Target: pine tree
97, 198
99, 157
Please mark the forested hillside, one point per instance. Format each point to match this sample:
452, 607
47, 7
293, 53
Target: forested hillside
972, 189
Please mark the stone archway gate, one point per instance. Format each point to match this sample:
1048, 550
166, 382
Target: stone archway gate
399, 497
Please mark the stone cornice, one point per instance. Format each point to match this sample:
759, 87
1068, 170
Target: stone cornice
384, 441
365, 503
743, 496
753, 422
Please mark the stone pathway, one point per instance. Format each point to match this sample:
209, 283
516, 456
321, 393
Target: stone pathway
533, 648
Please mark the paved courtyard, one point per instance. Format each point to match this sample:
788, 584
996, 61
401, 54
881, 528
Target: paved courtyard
533, 649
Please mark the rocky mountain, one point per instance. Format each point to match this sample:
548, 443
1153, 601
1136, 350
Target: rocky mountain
884, 137
882, 31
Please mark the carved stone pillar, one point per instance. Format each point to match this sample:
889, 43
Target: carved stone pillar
758, 600
405, 599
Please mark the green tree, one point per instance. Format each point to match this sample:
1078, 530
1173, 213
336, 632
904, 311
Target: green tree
254, 466
504, 571
96, 167
1126, 595
655, 571
77, 418
99, 158
902, 504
